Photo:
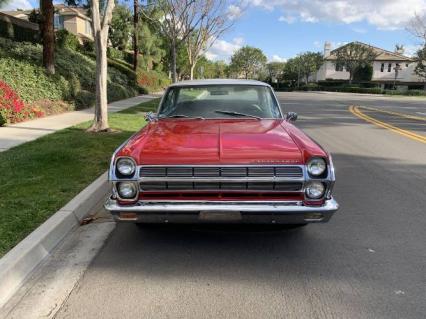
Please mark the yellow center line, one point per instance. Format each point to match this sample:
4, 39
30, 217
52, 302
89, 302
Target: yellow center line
407, 116
356, 111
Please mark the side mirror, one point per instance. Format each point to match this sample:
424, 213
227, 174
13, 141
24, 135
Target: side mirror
291, 116
150, 116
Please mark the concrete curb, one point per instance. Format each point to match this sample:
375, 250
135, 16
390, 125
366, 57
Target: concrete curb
18, 263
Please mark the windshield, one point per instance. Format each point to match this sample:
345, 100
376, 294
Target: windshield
220, 101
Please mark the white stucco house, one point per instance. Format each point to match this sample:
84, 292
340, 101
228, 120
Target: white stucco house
383, 68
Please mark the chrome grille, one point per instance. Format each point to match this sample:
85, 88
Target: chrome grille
223, 186
221, 178
240, 172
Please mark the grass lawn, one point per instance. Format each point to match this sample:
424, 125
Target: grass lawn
39, 177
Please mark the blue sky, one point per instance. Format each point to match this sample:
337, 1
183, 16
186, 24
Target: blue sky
284, 28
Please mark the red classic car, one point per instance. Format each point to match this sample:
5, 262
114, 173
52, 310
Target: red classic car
221, 151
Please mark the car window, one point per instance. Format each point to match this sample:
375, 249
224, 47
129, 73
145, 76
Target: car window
215, 101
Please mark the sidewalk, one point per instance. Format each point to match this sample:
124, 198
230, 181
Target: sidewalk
15, 134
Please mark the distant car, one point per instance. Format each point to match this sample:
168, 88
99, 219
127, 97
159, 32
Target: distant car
221, 151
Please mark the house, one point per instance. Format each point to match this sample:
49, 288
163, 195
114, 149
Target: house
384, 68
73, 19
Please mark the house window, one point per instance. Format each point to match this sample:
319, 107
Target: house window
88, 28
390, 67
406, 65
58, 22
339, 68
382, 67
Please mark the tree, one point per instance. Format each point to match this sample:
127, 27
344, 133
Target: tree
420, 69
100, 25
48, 35
120, 29
178, 20
135, 33
151, 46
275, 70
291, 72
249, 61
212, 24
417, 27
310, 63
354, 55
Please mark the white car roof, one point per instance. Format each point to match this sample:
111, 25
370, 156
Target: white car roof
219, 82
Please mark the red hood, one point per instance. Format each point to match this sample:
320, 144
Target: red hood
181, 141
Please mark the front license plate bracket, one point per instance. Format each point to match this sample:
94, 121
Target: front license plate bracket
219, 216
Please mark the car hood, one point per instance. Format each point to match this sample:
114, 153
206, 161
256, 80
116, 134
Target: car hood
196, 141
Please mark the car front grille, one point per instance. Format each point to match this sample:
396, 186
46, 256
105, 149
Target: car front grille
239, 172
223, 178
222, 186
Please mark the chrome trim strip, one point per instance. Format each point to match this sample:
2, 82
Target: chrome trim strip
221, 179
224, 165
235, 206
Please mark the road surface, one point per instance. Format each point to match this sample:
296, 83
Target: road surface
368, 262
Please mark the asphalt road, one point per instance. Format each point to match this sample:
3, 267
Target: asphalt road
368, 262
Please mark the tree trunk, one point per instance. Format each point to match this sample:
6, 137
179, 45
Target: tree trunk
192, 67
135, 33
48, 34
100, 32
174, 70
350, 77
101, 107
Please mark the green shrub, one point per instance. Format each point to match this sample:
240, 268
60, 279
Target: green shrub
88, 46
84, 99
75, 85
152, 80
65, 39
31, 82
363, 73
115, 54
2, 120
21, 68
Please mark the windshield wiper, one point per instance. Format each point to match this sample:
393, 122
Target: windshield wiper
237, 114
181, 116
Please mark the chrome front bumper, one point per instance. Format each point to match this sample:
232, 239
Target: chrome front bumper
257, 212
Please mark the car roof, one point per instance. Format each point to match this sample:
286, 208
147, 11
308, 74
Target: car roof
219, 82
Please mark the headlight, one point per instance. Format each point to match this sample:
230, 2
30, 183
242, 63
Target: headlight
127, 190
316, 166
126, 166
314, 190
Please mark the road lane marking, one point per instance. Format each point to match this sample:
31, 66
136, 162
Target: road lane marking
407, 116
355, 110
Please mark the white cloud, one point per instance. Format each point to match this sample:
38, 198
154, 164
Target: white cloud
17, 4
359, 30
384, 14
288, 19
223, 50
234, 12
277, 58
411, 50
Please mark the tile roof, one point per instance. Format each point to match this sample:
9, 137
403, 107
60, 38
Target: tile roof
382, 55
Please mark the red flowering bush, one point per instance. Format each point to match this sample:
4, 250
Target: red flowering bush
12, 108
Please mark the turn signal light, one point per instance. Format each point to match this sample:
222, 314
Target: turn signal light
128, 216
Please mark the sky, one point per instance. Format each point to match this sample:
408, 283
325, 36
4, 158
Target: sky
285, 28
